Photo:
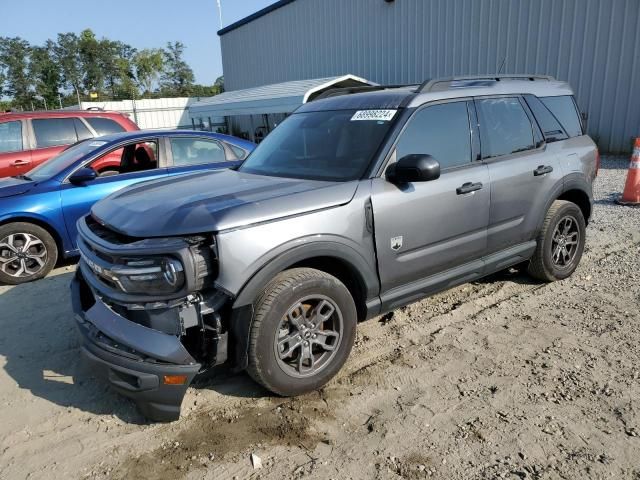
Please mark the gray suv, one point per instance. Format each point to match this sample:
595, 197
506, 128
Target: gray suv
357, 204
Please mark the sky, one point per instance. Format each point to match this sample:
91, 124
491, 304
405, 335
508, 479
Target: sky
140, 23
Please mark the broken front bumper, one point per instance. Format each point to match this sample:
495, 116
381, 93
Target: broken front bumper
150, 367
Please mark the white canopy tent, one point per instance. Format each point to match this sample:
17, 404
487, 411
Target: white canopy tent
253, 112
277, 98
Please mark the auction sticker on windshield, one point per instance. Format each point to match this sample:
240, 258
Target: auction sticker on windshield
376, 115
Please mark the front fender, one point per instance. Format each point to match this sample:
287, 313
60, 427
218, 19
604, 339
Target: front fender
55, 225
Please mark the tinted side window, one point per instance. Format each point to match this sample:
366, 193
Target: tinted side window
551, 128
82, 130
10, 137
104, 126
505, 127
441, 131
54, 131
193, 151
564, 109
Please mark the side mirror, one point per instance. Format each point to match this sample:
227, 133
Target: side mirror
83, 175
414, 168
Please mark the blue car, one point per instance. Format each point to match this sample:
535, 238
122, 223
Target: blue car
39, 210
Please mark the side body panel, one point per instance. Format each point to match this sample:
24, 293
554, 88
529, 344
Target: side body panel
244, 252
577, 155
41, 204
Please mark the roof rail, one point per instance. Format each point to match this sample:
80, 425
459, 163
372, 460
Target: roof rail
336, 92
479, 80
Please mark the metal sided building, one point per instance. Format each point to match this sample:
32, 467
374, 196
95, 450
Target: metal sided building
592, 44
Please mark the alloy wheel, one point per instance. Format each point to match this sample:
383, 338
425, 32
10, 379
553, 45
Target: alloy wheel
565, 241
308, 336
22, 255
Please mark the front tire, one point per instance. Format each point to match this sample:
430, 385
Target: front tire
302, 332
27, 252
560, 243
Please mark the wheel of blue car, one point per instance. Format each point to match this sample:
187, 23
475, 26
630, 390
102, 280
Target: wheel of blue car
302, 332
27, 252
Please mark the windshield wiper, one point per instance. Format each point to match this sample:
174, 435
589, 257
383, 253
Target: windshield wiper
23, 177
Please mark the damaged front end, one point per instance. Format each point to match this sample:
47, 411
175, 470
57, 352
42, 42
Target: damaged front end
148, 315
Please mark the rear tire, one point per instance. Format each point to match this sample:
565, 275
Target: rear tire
27, 252
560, 243
302, 332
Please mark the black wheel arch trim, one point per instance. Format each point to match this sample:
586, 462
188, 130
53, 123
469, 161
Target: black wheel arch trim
242, 308
573, 181
365, 273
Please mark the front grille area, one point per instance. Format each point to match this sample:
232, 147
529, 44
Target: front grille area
107, 234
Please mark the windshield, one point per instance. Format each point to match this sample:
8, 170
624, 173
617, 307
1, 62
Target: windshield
64, 159
331, 145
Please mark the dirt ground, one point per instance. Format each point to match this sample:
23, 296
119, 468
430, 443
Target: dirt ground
502, 378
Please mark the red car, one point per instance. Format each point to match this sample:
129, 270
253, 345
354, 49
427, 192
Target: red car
29, 138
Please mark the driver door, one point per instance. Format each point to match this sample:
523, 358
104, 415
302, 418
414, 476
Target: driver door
427, 231
139, 161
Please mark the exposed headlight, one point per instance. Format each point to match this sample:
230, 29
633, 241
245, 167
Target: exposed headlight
153, 276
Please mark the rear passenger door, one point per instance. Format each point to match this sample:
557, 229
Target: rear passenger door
523, 172
425, 228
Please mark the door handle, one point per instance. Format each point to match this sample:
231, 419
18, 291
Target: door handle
468, 188
20, 163
542, 170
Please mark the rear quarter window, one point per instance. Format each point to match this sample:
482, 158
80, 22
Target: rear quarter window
549, 125
565, 111
104, 126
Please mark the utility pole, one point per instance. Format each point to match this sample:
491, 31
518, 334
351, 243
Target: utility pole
220, 12
133, 104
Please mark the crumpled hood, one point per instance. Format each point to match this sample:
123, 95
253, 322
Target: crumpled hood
214, 201
14, 186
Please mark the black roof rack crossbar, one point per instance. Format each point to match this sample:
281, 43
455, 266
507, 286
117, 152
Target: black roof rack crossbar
429, 85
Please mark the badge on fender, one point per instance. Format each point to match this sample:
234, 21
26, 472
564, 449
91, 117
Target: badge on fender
396, 243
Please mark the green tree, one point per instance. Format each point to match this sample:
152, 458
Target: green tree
148, 65
67, 56
177, 77
14, 57
219, 83
90, 53
45, 73
116, 61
